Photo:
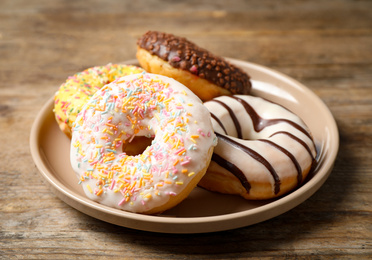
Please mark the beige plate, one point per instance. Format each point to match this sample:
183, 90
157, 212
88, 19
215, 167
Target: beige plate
202, 211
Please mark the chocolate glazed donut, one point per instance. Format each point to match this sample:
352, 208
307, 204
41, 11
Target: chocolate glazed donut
207, 75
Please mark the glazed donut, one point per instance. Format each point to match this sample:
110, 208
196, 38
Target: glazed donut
145, 105
263, 150
76, 91
207, 75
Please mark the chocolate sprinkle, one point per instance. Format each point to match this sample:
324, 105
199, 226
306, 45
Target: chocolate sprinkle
183, 54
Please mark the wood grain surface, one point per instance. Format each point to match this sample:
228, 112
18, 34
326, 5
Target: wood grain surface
326, 45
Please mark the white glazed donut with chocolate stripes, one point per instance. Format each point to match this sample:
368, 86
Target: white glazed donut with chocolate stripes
263, 151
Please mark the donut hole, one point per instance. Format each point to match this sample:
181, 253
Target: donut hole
137, 145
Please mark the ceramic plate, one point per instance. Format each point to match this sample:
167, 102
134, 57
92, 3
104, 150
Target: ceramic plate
202, 211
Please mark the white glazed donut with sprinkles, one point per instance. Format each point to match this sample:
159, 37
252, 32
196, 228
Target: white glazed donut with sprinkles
164, 174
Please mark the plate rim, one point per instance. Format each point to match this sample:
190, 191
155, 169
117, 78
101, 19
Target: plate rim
187, 224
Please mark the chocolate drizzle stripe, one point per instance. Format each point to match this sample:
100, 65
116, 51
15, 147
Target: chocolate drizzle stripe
291, 156
260, 123
233, 169
296, 139
233, 117
255, 156
219, 122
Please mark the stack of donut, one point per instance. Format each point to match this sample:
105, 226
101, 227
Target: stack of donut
233, 143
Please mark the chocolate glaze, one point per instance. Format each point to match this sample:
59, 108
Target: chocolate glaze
260, 123
255, 156
233, 169
286, 152
183, 54
219, 122
297, 140
233, 117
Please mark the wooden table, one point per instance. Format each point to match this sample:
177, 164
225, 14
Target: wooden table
327, 45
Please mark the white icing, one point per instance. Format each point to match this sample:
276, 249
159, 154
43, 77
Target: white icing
136, 106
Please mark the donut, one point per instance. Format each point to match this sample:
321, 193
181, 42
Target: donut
148, 106
77, 89
263, 151
207, 75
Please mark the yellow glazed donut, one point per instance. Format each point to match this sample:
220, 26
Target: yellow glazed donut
145, 105
263, 150
207, 75
76, 91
